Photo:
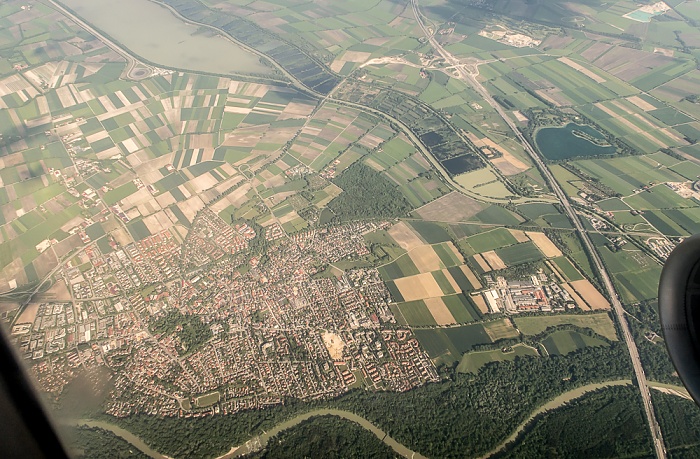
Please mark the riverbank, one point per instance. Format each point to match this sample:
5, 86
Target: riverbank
259, 442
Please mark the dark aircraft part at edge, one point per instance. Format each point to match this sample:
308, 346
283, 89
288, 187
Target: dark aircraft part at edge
679, 311
25, 427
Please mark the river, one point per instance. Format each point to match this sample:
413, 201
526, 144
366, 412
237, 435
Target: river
259, 442
154, 33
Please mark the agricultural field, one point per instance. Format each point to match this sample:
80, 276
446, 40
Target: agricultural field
636, 274
490, 240
448, 344
353, 119
567, 269
452, 207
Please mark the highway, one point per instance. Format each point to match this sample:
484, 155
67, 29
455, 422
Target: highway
597, 262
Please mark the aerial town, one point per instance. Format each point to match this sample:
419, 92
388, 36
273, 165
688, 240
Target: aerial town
270, 332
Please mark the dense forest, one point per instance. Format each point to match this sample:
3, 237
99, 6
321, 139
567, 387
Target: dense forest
329, 437
464, 415
607, 423
680, 423
367, 194
89, 443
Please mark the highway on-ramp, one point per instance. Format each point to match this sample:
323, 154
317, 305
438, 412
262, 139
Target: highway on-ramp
642, 383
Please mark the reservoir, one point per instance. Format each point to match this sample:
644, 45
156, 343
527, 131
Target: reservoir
569, 141
154, 33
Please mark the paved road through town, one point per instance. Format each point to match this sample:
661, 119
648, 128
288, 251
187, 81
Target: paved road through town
471, 79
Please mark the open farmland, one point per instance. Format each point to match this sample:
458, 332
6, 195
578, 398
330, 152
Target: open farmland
491, 240
350, 213
519, 253
418, 287
590, 294
635, 273
450, 208
449, 344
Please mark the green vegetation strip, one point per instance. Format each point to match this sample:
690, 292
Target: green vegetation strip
555, 403
261, 440
599, 323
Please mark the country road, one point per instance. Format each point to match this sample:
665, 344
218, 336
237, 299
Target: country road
554, 185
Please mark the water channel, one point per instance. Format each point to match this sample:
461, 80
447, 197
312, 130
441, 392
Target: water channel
152, 32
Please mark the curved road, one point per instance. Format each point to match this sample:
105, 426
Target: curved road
597, 262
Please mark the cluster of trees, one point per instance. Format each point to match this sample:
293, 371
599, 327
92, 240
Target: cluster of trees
680, 423
328, 437
606, 423
467, 415
190, 329
367, 194
655, 359
94, 443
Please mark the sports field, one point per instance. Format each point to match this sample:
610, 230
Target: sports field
207, 400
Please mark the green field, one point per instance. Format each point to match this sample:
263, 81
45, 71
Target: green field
402, 267
461, 279
520, 253
563, 342
473, 361
537, 210
462, 309
598, 322
446, 255
415, 313
626, 174
443, 282
116, 195
636, 274
138, 230
394, 291
491, 240
431, 232
450, 343
497, 215
569, 271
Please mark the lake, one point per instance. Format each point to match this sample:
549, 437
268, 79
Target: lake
561, 142
154, 33
461, 164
